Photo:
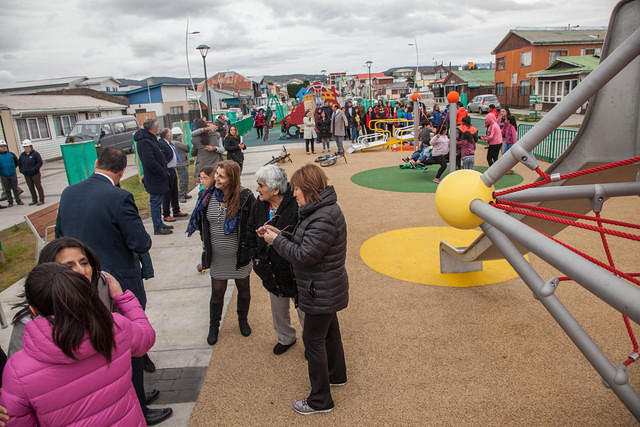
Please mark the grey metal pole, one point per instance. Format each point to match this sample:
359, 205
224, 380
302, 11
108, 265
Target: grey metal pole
416, 123
615, 376
608, 68
588, 191
616, 292
453, 109
206, 87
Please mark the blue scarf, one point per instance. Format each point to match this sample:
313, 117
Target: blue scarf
200, 209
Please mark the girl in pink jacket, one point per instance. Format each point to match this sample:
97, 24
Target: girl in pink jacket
440, 144
75, 367
493, 138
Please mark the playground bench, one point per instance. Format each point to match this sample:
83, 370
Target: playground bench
42, 223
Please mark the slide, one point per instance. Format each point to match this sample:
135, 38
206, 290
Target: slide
610, 132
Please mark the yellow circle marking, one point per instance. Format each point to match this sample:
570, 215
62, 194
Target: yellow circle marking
413, 255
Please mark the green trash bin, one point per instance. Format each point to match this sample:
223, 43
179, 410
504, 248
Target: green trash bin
79, 160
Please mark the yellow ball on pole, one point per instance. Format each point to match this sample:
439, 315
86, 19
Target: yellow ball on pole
455, 194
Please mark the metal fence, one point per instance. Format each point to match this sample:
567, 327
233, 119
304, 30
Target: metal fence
549, 149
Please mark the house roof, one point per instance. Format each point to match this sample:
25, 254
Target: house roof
56, 102
145, 88
373, 75
62, 81
564, 65
549, 36
476, 77
94, 80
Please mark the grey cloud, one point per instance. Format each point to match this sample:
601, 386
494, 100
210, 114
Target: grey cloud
153, 9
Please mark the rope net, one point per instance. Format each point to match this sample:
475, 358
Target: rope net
571, 219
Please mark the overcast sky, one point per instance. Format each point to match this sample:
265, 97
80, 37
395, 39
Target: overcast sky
135, 39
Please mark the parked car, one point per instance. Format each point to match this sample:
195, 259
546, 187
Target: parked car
106, 132
480, 104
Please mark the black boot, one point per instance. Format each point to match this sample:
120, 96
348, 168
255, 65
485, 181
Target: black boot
215, 313
243, 310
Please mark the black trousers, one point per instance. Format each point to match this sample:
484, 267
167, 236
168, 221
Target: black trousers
308, 142
34, 182
260, 131
492, 153
439, 160
171, 196
323, 346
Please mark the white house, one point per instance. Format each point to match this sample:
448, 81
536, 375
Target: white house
47, 119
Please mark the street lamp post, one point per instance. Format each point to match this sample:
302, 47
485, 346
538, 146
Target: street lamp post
186, 52
204, 49
324, 74
370, 94
415, 81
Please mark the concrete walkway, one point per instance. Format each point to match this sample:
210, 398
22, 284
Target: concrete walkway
178, 298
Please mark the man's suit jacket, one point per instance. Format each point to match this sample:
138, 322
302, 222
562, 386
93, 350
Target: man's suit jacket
338, 123
106, 219
154, 164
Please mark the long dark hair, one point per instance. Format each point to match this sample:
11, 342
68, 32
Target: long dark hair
49, 254
69, 303
232, 170
204, 136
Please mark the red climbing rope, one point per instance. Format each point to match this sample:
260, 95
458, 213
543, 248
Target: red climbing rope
547, 178
547, 214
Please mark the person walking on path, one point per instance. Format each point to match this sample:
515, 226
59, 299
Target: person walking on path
222, 216
324, 130
105, 218
259, 123
339, 125
493, 138
275, 206
207, 145
170, 199
8, 164
234, 145
182, 149
309, 131
156, 175
76, 362
29, 165
317, 248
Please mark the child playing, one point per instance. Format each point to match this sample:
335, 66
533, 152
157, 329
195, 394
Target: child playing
467, 147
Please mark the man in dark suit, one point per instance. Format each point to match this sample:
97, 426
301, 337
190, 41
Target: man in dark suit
156, 174
106, 218
171, 197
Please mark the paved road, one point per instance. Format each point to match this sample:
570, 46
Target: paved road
178, 300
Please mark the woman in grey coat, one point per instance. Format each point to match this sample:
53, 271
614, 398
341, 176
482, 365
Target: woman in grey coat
207, 145
317, 251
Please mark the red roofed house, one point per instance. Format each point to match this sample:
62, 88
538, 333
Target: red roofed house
522, 52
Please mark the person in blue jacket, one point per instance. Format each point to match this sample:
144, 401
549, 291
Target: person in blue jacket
29, 164
8, 164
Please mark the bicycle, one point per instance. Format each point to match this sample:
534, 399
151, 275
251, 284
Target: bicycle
283, 157
330, 159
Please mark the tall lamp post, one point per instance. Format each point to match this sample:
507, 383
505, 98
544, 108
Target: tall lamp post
204, 49
186, 52
370, 94
415, 80
324, 75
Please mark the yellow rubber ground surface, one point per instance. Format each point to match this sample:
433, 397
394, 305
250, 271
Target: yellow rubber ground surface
411, 254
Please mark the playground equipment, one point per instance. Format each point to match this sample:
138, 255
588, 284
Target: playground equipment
312, 97
382, 137
601, 162
330, 159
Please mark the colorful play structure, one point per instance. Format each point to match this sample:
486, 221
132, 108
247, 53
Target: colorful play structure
602, 162
309, 98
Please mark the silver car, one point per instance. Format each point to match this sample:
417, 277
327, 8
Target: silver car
480, 104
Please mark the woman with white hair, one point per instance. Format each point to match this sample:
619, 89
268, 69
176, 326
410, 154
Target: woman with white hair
276, 206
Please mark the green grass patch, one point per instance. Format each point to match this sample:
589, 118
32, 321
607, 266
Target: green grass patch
19, 247
415, 180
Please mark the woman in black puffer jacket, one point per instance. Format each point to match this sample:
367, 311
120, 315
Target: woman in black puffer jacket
317, 250
277, 207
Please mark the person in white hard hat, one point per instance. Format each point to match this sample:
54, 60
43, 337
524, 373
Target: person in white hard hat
182, 150
8, 164
29, 164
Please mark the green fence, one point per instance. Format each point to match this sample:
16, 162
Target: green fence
553, 145
79, 160
549, 149
244, 125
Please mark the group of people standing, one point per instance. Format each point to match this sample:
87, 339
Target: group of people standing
29, 164
294, 237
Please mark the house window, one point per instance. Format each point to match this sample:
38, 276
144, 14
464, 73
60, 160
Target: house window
500, 88
64, 124
500, 63
33, 128
514, 79
525, 59
175, 110
587, 52
525, 88
94, 115
554, 54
